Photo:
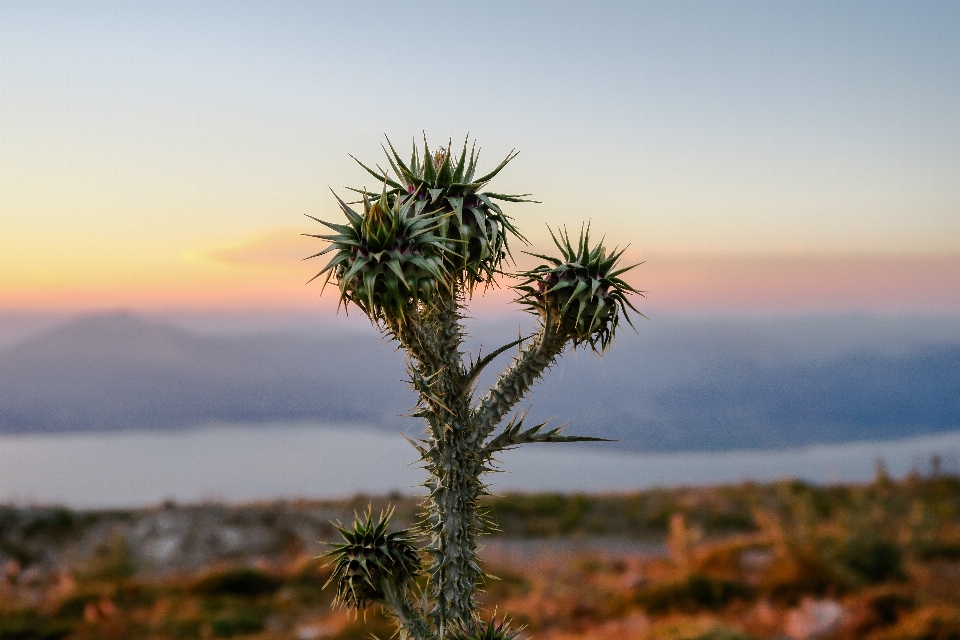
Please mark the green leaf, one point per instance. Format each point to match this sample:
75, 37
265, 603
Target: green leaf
457, 205
458, 172
511, 198
429, 170
396, 157
376, 175
492, 174
445, 174
581, 285
480, 364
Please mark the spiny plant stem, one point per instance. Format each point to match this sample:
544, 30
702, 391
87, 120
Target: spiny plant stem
454, 452
452, 457
453, 523
452, 509
409, 616
514, 383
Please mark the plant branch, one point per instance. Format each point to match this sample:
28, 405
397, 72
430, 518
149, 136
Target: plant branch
410, 617
514, 383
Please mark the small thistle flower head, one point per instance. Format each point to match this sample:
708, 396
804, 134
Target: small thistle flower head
368, 556
487, 631
581, 293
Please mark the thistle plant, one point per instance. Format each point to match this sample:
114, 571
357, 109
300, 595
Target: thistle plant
410, 259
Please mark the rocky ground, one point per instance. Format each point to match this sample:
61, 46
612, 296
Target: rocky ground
784, 560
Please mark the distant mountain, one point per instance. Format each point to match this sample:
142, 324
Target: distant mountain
119, 371
741, 403
704, 385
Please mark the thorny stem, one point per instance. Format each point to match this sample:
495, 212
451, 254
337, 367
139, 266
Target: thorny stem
514, 383
409, 616
453, 450
434, 346
455, 485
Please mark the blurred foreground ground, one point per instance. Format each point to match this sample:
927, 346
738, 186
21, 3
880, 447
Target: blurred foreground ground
782, 560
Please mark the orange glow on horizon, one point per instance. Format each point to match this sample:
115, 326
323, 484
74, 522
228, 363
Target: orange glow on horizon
267, 273
804, 283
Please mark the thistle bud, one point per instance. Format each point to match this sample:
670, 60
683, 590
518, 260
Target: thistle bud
581, 293
368, 556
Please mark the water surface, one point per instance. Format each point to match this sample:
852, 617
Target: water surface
238, 463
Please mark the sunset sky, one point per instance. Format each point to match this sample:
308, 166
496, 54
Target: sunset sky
781, 156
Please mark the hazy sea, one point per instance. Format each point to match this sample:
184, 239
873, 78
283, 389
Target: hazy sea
237, 463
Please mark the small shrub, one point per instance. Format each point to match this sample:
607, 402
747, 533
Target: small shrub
789, 578
930, 550
932, 623
873, 560
244, 582
73, 606
110, 560
183, 628
227, 626
27, 626
695, 592
885, 607
695, 630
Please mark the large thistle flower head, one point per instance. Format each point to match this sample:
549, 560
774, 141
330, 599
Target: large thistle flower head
581, 293
368, 556
445, 184
386, 260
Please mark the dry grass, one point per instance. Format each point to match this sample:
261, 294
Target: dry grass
878, 561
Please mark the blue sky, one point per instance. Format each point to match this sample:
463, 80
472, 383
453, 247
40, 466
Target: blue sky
141, 142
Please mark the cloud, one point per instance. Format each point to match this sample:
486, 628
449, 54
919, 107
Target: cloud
802, 283
277, 248
677, 283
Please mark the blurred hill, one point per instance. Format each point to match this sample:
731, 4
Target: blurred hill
694, 384
119, 371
